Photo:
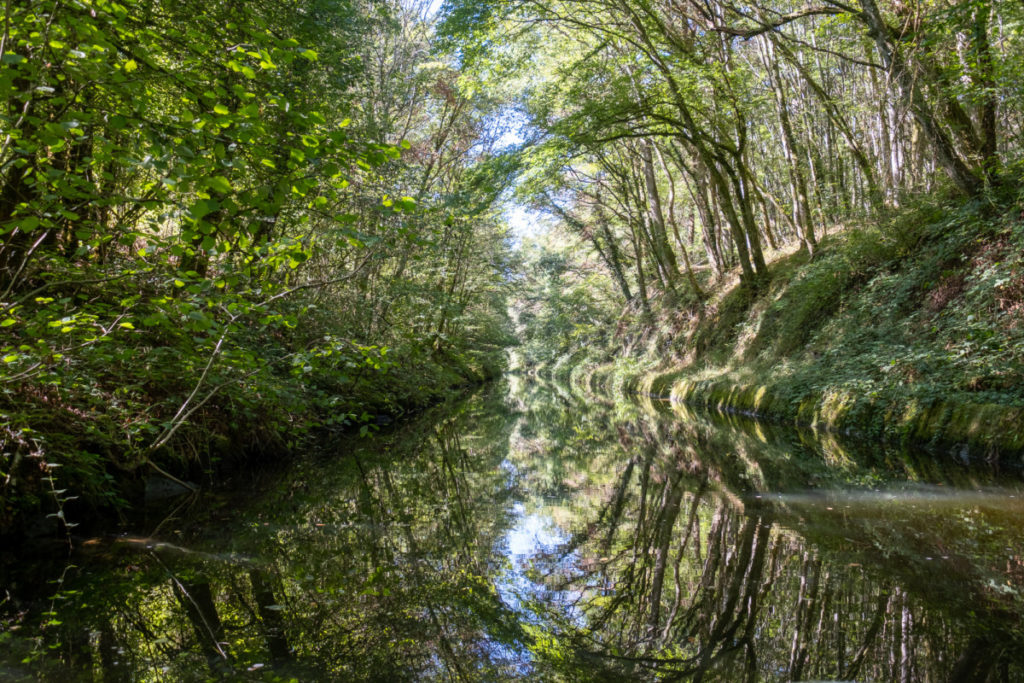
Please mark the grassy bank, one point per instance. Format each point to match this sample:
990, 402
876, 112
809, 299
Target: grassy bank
908, 330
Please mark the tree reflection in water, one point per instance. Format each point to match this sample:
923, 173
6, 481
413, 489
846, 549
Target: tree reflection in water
541, 536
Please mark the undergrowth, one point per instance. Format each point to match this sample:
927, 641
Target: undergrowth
99, 425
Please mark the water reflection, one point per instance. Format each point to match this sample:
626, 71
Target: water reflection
525, 533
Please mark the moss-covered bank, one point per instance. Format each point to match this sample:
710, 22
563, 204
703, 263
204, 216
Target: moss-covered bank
911, 331
965, 430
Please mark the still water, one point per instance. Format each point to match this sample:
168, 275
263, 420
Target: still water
525, 533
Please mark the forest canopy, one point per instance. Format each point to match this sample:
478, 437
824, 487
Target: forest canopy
708, 131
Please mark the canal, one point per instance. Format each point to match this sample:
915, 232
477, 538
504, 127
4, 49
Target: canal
525, 532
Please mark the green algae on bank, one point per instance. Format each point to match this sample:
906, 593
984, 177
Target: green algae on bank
968, 431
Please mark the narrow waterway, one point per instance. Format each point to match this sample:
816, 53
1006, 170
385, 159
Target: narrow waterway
525, 533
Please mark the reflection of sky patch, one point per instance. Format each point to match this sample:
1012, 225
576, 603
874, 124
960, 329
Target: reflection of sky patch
512, 471
533, 542
531, 535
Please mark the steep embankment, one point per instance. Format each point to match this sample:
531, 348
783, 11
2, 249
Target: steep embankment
913, 332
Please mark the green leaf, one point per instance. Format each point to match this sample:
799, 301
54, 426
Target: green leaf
221, 109
219, 183
203, 208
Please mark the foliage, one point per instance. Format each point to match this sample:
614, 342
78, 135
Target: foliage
213, 237
679, 139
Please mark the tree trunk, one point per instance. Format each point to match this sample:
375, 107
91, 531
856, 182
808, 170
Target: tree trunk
790, 150
657, 215
946, 154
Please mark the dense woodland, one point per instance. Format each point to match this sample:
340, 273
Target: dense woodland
821, 198
233, 231
223, 224
707, 132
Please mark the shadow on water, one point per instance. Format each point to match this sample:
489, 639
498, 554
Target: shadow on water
527, 534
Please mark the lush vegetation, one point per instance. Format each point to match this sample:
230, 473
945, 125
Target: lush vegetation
816, 197
223, 224
887, 331
228, 227
679, 134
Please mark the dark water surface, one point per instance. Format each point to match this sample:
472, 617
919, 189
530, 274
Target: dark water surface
527, 534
